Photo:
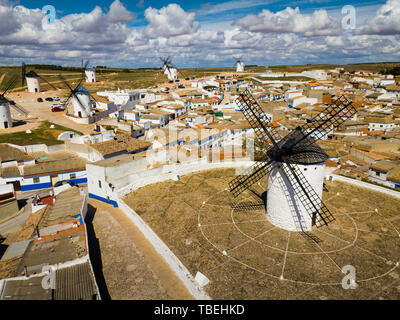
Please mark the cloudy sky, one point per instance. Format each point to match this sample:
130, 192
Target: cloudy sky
134, 33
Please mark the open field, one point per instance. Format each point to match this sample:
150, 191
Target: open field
42, 135
371, 67
246, 257
113, 78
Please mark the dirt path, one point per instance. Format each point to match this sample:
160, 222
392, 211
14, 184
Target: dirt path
2, 78
132, 260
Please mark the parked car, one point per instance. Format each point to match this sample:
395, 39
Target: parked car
181, 86
49, 99
56, 98
177, 80
61, 183
171, 81
39, 100
187, 79
63, 102
57, 108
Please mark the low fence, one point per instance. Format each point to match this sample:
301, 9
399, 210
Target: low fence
365, 185
170, 172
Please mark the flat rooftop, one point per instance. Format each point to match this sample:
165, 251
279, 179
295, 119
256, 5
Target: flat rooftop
54, 250
72, 283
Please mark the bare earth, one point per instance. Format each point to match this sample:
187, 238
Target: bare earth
246, 257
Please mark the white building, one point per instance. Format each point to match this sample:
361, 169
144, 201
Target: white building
381, 125
130, 98
386, 82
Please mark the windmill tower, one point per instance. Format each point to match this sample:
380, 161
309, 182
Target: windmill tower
33, 80
81, 100
295, 166
169, 70
239, 64
90, 73
5, 112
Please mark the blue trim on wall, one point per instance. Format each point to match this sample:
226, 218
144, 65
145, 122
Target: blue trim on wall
36, 186
112, 202
78, 181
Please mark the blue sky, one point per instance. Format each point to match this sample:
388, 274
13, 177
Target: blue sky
227, 8
124, 33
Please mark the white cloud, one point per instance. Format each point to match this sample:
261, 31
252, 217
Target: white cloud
8, 24
290, 21
105, 38
386, 20
170, 21
119, 13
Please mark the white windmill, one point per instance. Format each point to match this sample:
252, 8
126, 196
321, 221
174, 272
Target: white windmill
294, 164
33, 80
90, 73
5, 112
169, 69
81, 100
239, 64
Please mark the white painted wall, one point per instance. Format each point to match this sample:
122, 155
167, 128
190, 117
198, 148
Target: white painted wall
283, 206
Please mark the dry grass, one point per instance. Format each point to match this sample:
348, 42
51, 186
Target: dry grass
258, 253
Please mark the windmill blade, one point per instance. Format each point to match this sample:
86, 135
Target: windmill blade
67, 101
11, 83
79, 100
65, 82
23, 70
307, 195
41, 78
72, 91
18, 108
84, 68
328, 120
252, 175
255, 116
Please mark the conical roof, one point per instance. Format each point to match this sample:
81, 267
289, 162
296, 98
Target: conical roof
31, 74
307, 151
81, 90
